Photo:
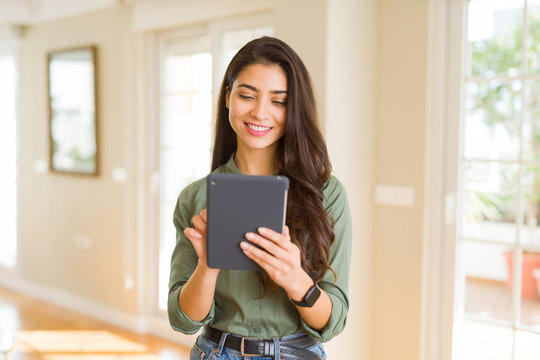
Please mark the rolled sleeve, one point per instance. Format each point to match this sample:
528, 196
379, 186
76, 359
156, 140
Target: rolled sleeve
338, 316
183, 262
339, 260
179, 320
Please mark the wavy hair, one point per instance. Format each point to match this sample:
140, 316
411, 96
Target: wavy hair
302, 155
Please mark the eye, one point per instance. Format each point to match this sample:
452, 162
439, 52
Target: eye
246, 97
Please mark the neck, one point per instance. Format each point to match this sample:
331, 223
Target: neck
255, 162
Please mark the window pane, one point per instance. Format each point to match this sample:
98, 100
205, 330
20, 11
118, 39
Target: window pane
181, 77
233, 40
186, 135
528, 345
8, 156
184, 116
533, 36
166, 248
530, 231
492, 125
474, 341
494, 34
488, 292
490, 203
531, 126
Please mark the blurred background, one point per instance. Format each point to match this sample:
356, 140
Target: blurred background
431, 111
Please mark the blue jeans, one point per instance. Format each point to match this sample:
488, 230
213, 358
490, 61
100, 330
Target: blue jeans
205, 349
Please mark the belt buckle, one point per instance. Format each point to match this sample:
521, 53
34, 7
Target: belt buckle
242, 353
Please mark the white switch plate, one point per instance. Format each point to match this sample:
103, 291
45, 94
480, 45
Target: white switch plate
394, 195
82, 241
128, 283
119, 174
41, 166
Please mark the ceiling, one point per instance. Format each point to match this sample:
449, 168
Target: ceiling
26, 12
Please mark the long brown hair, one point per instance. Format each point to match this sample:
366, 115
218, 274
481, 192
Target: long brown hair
301, 156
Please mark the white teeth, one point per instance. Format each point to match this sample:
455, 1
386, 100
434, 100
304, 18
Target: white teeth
258, 128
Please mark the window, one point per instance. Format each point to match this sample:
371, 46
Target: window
8, 159
188, 91
185, 125
497, 312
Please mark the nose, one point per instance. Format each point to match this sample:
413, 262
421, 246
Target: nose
260, 110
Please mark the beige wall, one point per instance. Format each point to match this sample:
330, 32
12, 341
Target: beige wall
350, 110
368, 62
401, 70
55, 207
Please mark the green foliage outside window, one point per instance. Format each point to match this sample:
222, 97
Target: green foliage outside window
496, 91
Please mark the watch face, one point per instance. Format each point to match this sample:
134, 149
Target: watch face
312, 296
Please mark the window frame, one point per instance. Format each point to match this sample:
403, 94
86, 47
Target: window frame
215, 30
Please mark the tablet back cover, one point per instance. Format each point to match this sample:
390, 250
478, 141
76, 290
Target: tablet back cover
238, 204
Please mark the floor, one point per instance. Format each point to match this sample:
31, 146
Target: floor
493, 299
479, 340
39, 330
34, 329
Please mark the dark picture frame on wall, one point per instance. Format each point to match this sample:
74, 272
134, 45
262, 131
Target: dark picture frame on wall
73, 122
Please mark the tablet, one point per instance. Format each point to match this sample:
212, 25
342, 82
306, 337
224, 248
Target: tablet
238, 204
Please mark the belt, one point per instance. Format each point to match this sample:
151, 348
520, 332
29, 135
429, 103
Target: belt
293, 349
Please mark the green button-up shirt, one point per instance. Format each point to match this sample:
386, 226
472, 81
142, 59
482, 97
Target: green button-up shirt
238, 307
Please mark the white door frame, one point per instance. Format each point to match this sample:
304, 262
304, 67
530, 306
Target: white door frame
10, 39
445, 64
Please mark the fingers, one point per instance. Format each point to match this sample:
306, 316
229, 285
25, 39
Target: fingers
279, 245
199, 222
197, 233
265, 260
271, 246
192, 233
275, 236
204, 215
280, 255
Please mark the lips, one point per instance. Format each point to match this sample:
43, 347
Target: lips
257, 130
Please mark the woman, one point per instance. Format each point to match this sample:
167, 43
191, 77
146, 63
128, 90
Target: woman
266, 124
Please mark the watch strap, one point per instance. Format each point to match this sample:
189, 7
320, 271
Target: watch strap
312, 295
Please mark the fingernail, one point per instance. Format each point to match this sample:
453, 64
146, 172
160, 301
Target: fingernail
250, 235
244, 245
192, 233
263, 230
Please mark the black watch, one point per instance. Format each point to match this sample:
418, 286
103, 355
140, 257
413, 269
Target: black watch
310, 298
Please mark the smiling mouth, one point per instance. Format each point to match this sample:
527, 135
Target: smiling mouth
258, 128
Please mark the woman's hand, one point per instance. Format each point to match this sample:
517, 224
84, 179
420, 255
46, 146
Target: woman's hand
281, 260
197, 236
197, 295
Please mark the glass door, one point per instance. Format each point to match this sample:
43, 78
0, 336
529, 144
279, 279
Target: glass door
185, 140
188, 92
497, 315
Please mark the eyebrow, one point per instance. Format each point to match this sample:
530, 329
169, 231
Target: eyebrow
250, 87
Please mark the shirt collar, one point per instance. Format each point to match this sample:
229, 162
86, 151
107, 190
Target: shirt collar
230, 166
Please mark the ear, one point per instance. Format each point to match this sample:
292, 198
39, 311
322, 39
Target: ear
227, 96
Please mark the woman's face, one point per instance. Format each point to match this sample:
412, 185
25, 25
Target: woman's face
257, 103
